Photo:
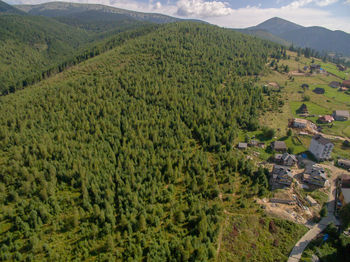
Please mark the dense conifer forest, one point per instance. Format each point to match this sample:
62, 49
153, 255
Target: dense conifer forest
122, 157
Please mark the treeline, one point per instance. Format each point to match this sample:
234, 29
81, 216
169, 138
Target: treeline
124, 156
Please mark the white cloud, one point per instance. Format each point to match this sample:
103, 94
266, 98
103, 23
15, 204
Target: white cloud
326, 2
303, 3
220, 13
201, 8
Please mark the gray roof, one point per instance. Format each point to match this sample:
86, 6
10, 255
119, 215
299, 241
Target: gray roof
344, 113
279, 145
242, 145
282, 170
322, 140
316, 171
285, 156
344, 162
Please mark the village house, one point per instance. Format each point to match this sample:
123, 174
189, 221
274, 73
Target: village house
341, 115
334, 84
285, 159
311, 201
343, 89
319, 90
344, 195
341, 67
315, 175
242, 146
321, 148
303, 109
261, 144
344, 163
315, 67
325, 119
279, 146
253, 143
281, 176
346, 83
299, 123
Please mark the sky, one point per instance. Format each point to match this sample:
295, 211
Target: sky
332, 14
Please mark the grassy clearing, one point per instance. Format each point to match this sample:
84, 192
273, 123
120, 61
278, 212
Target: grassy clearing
331, 68
256, 237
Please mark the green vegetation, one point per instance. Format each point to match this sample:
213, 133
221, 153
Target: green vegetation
335, 248
255, 237
124, 156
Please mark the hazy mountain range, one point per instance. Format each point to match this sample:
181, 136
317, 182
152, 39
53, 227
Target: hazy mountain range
318, 38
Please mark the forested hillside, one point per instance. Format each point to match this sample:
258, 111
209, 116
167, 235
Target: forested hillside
29, 45
123, 156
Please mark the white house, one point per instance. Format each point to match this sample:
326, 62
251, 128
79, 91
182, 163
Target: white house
321, 147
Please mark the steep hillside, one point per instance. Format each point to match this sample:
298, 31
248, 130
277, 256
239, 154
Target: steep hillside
30, 44
5, 8
123, 157
62, 9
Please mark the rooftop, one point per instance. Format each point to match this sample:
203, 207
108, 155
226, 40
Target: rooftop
322, 140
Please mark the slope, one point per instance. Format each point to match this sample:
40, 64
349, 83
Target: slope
5, 8
123, 156
30, 44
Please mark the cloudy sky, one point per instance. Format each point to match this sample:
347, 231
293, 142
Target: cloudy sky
333, 14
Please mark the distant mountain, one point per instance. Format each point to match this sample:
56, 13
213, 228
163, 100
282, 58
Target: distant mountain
63, 9
318, 38
8, 9
276, 26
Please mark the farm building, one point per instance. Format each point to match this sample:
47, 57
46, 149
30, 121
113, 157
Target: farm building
346, 83
303, 109
344, 163
341, 67
299, 123
279, 146
315, 67
315, 175
319, 90
325, 119
334, 84
242, 146
321, 147
285, 159
344, 195
341, 115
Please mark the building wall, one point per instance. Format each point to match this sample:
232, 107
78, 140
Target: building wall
320, 151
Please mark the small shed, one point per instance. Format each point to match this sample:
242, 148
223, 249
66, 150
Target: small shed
346, 83
311, 201
341, 115
334, 84
325, 119
242, 146
344, 163
279, 146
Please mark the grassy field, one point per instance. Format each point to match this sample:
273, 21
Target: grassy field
293, 95
331, 68
255, 237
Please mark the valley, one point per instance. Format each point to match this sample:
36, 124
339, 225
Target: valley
127, 136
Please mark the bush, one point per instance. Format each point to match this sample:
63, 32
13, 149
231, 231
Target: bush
324, 211
268, 133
